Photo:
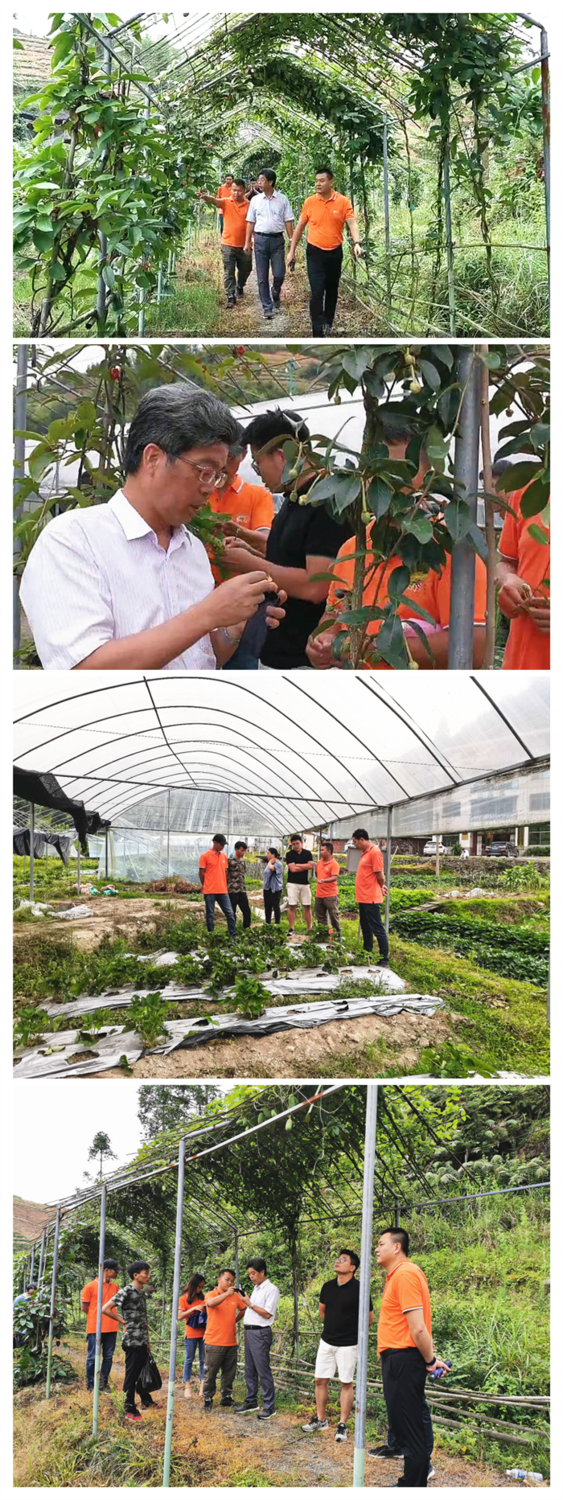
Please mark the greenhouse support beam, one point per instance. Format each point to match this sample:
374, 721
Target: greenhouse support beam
106, 851
546, 118
41, 1259
490, 536
142, 289
174, 1318
365, 1278
387, 866
449, 238
20, 425
466, 480
98, 1358
31, 851
52, 1305
386, 214
78, 869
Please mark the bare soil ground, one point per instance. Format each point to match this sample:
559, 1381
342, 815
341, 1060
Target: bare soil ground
220, 1448
112, 916
30, 1219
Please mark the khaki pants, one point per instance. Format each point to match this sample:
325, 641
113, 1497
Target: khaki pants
327, 906
219, 1357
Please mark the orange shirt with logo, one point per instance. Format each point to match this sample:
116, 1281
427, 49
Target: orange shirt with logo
215, 878
190, 1307
221, 1320
327, 872
526, 649
405, 1288
90, 1295
234, 222
433, 592
368, 887
248, 505
225, 190
326, 218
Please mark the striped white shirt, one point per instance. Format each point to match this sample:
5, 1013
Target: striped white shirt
99, 574
269, 215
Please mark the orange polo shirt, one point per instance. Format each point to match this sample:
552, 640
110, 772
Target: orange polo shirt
191, 1307
368, 887
215, 878
326, 219
327, 873
526, 649
433, 592
90, 1295
222, 1321
248, 505
405, 1289
234, 222
225, 190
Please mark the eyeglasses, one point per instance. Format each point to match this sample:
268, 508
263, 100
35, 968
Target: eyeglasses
207, 475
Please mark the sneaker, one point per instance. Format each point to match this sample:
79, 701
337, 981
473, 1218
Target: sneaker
239, 292
89, 1389
384, 1451
133, 1416
341, 1434
264, 1416
431, 1472
315, 1425
383, 963
269, 317
327, 329
151, 1405
227, 1401
207, 1405
247, 1406
231, 301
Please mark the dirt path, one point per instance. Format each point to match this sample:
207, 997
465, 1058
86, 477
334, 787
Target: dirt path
218, 1449
246, 319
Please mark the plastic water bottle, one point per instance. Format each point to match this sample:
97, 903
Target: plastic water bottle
437, 1374
525, 1474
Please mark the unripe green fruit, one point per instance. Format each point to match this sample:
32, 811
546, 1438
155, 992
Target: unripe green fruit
366, 516
337, 400
293, 473
413, 665
415, 387
408, 357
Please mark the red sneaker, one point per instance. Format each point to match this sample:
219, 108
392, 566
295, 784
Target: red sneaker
133, 1416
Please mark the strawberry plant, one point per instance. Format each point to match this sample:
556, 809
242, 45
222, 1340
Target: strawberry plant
147, 1015
251, 998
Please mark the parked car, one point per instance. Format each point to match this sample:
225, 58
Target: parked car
430, 847
504, 850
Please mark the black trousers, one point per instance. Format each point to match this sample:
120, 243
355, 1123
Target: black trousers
404, 1377
324, 269
372, 925
135, 1358
272, 904
241, 900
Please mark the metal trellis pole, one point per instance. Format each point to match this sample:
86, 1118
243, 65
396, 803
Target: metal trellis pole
101, 300
101, 1257
387, 863
386, 214
546, 116
41, 1259
32, 1262
174, 1318
449, 237
168, 838
466, 478
142, 289
237, 1283
78, 869
107, 835
31, 851
19, 476
365, 1278
52, 1306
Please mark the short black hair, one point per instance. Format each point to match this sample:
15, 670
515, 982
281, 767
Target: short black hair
400, 1236
228, 1271
177, 418
219, 838
31, 1286
269, 174
355, 1259
270, 425
326, 844
499, 467
397, 432
111, 1265
239, 444
239, 182
294, 836
271, 850
136, 1266
360, 833
257, 1264
240, 844
326, 171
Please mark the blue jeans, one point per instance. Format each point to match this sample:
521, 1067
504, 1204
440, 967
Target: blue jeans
428, 1433
108, 1349
190, 1346
227, 910
269, 249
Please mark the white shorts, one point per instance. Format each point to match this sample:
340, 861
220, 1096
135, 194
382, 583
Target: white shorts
335, 1358
298, 895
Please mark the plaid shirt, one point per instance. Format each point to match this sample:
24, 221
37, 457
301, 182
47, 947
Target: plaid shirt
235, 876
133, 1304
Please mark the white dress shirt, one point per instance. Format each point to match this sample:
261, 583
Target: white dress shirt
99, 574
269, 215
265, 1295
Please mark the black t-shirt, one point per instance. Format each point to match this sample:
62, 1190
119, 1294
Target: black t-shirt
298, 877
299, 532
341, 1312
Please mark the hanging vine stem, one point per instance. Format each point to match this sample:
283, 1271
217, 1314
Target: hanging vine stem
480, 193
414, 276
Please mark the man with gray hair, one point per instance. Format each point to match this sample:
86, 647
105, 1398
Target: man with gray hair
127, 584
